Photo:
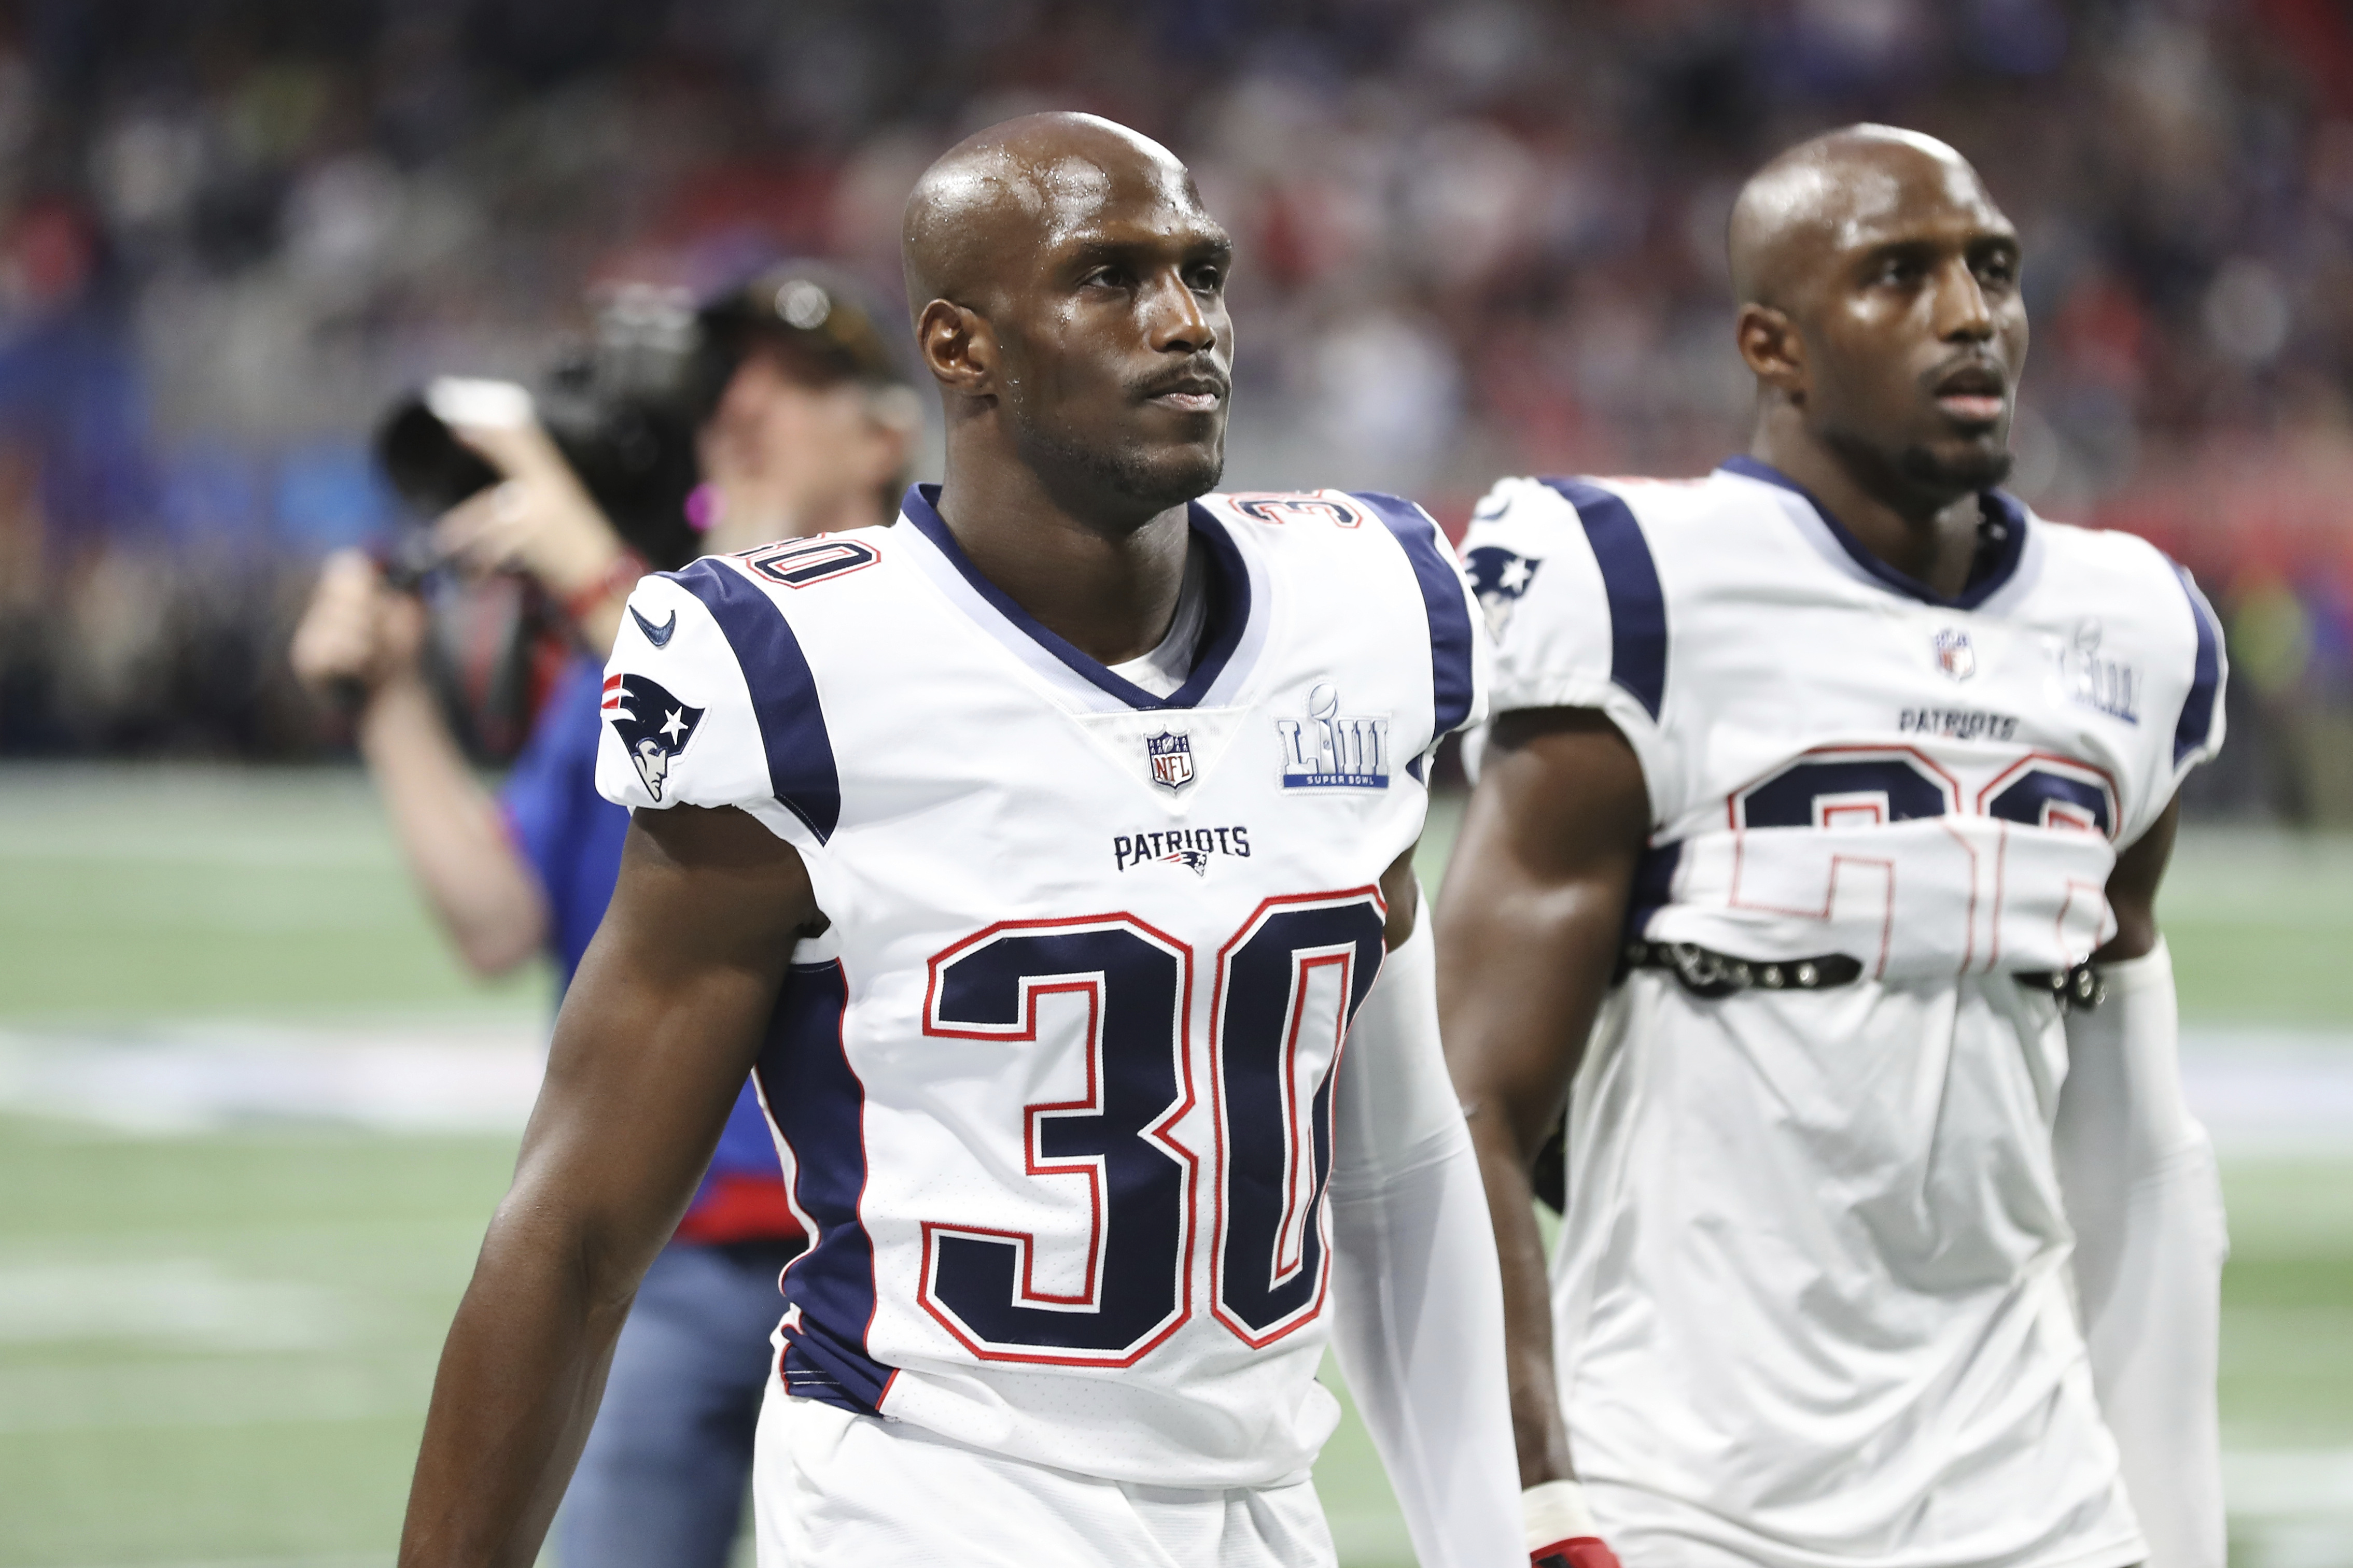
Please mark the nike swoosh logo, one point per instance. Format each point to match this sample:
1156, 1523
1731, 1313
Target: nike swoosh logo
656, 635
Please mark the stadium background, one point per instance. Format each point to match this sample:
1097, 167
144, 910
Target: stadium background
252, 1117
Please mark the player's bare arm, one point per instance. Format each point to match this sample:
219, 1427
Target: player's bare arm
1403, 894
1528, 932
2132, 889
655, 1038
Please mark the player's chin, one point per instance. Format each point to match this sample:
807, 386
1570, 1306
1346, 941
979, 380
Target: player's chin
1972, 459
1178, 471
1184, 435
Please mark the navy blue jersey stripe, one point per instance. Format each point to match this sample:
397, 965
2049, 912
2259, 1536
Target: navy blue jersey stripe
1451, 684
2196, 726
1629, 581
801, 770
1652, 889
818, 1109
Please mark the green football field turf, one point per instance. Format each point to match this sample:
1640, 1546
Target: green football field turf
214, 1348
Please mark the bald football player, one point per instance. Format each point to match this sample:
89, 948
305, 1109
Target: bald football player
1813, 863
1036, 856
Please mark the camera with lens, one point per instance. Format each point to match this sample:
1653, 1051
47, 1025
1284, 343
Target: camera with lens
623, 408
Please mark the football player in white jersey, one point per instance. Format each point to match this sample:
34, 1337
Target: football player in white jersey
1823, 795
1037, 854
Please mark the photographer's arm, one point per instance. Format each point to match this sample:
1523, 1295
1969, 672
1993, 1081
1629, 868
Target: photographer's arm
359, 635
653, 1043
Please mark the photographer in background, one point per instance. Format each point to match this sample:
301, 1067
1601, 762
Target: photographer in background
811, 432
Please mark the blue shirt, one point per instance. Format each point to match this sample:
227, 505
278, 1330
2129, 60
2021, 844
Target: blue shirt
572, 837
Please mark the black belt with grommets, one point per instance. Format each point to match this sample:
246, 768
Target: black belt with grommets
1707, 973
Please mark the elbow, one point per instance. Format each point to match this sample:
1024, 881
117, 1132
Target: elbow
555, 1245
1508, 1125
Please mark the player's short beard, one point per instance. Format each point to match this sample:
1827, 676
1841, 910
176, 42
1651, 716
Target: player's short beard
1979, 468
1918, 471
1152, 485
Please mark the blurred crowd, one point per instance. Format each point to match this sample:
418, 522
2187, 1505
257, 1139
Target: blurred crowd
1476, 238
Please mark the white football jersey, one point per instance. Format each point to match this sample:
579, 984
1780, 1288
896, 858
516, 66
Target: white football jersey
1811, 1300
1053, 1089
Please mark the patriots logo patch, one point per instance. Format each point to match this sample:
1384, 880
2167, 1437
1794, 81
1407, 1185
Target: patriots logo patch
654, 725
1499, 576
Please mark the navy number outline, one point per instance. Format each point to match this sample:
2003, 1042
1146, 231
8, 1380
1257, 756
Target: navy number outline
978, 1282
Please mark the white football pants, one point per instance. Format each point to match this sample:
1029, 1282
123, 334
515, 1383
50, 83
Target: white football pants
835, 1489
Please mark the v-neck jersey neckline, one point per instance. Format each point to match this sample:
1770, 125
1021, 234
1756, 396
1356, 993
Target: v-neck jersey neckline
2004, 511
1230, 607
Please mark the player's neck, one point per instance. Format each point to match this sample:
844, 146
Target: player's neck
1932, 540
1107, 588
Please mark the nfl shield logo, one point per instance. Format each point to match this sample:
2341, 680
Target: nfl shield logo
1172, 759
1955, 656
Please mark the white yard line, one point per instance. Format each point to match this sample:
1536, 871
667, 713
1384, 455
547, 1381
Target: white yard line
2262, 1092
2272, 1093
184, 1079
2290, 1483
369, 1560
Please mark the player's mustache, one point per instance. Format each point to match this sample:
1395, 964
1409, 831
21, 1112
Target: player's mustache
1202, 376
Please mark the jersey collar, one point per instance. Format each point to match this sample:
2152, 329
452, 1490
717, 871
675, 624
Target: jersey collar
1231, 603
1991, 574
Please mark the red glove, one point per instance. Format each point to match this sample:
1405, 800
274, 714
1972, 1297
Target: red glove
1576, 1552
1560, 1528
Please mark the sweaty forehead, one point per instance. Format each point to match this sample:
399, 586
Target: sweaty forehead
1063, 188
1802, 215
1078, 194
1870, 200
1000, 201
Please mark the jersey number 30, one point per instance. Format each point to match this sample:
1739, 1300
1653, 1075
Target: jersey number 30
1287, 985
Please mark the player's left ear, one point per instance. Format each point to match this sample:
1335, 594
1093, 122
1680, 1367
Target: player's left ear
1772, 349
958, 348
